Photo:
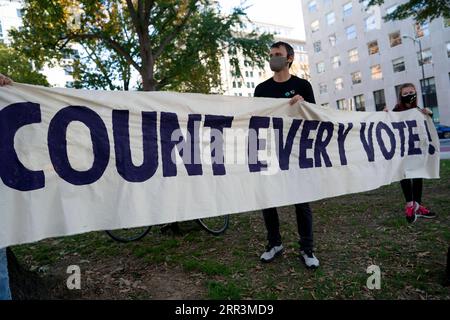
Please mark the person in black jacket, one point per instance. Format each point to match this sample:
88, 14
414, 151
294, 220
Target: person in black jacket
285, 85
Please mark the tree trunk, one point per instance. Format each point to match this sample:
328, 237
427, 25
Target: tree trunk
148, 82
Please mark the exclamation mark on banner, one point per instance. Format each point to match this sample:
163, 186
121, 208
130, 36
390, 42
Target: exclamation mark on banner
431, 148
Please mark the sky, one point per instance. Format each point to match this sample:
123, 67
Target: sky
283, 12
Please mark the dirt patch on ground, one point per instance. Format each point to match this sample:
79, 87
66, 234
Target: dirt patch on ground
122, 278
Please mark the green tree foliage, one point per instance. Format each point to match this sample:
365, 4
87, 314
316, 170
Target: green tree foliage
16, 66
172, 44
420, 10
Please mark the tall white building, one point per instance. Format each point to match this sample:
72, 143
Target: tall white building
11, 17
252, 76
358, 61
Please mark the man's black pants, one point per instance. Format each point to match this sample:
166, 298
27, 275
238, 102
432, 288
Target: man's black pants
304, 226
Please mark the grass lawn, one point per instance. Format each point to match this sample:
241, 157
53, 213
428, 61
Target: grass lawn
351, 233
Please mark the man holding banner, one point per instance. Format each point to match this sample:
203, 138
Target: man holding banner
285, 85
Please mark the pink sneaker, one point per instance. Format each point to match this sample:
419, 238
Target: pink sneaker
423, 212
410, 212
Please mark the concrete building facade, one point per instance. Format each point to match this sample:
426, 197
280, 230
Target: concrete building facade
358, 61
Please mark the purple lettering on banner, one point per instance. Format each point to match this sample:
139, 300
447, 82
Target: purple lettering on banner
342, 135
401, 126
368, 142
12, 172
124, 163
320, 147
306, 143
413, 138
57, 144
431, 148
284, 149
217, 124
387, 154
170, 126
255, 124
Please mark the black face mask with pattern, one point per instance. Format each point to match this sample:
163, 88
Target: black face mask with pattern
409, 99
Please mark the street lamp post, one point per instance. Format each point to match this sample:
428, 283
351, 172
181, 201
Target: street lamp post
422, 82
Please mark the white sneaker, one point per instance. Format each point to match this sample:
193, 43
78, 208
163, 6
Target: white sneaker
309, 259
271, 253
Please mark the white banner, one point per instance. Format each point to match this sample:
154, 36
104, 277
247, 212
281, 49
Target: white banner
73, 161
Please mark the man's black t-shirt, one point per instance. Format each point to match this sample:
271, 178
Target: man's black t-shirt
272, 89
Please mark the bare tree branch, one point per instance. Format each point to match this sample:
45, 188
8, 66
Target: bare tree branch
174, 32
91, 53
112, 43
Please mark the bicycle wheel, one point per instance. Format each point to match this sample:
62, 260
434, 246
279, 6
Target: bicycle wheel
215, 225
128, 235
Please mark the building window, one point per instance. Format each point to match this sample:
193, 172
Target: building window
391, 9
351, 32
320, 67
331, 18
398, 64
341, 104
248, 84
397, 89
427, 57
395, 39
251, 74
339, 83
68, 70
429, 93
323, 88
253, 85
353, 55
375, 71
19, 13
347, 9
239, 84
356, 77
315, 26
373, 47
234, 84
448, 49
1, 30
249, 94
371, 23
246, 73
364, 3
317, 46
380, 100
422, 30
312, 6
359, 102
332, 39
336, 62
